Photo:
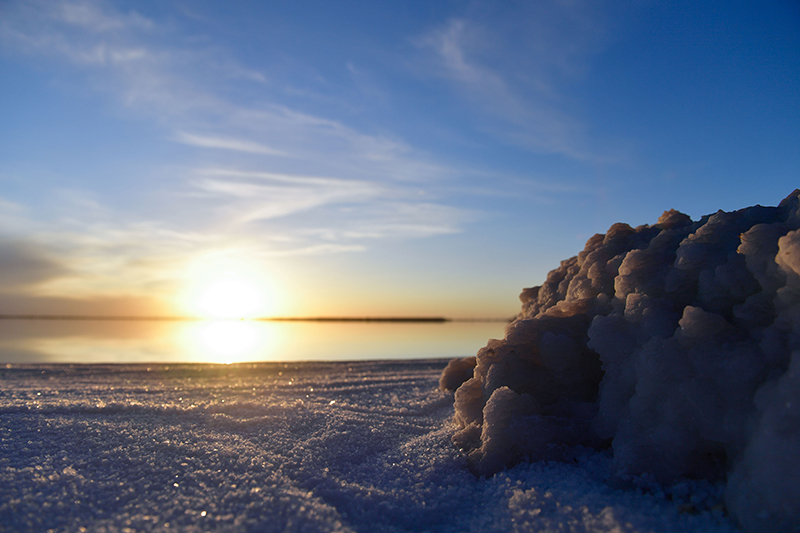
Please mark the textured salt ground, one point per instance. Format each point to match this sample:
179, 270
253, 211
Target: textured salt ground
299, 447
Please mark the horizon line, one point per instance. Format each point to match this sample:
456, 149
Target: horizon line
167, 318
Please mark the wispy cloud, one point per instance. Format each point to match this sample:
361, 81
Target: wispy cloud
333, 209
81, 32
524, 91
259, 176
87, 15
166, 76
269, 201
317, 249
24, 264
223, 143
337, 172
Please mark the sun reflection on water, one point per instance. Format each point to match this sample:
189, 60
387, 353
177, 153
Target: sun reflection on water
230, 341
234, 341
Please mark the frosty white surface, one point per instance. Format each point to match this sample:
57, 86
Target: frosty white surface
678, 344
297, 447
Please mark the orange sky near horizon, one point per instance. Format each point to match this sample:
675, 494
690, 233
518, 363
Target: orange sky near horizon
215, 285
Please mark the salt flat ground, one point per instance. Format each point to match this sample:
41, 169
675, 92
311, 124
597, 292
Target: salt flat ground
360, 446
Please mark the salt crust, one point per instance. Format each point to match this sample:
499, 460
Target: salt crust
297, 448
675, 345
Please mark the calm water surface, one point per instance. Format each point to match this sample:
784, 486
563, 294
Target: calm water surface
233, 341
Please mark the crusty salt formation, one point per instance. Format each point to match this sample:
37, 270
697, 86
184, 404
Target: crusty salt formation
677, 344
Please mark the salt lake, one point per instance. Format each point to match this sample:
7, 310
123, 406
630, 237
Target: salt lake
236, 341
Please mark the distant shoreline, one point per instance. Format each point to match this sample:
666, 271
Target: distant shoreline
258, 319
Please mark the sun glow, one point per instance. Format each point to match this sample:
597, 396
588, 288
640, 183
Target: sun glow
231, 341
226, 289
229, 298
226, 342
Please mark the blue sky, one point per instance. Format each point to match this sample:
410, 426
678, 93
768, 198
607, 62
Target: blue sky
371, 158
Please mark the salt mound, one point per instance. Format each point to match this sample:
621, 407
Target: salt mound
677, 344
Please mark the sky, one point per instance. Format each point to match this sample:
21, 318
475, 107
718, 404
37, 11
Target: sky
369, 158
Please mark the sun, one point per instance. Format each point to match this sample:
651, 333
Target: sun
223, 289
230, 298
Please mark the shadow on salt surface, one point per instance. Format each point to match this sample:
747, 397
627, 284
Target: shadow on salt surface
277, 447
